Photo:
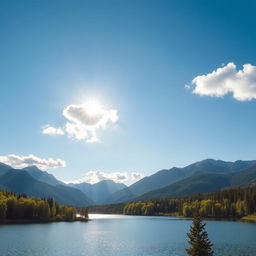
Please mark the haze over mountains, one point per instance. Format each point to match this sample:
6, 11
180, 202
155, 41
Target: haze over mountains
200, 177
101, 191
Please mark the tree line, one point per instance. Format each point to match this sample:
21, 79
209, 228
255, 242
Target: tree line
21, 207
107, 209
236, 202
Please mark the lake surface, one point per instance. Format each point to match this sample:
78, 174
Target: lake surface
114, 235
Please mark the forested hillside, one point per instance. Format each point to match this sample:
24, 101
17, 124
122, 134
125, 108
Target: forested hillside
229, 203
20, 207
236, 202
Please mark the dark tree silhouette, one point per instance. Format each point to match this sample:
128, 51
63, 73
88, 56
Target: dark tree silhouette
200, 244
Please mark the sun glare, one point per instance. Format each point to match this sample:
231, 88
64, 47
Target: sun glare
93, 106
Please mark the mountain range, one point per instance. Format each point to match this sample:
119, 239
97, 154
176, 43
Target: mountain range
21, 182
101, 191
201, 182
200, 177
147, 186
37, 183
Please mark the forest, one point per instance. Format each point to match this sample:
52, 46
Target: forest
234, 203
228, 203
15, 207
107, 209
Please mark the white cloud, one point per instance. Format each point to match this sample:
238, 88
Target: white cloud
47, 129
83, 121
227, 79
24, 161
136, 176
97, 176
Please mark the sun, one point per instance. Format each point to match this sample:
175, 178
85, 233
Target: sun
93, 106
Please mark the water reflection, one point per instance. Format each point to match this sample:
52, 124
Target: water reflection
117, 235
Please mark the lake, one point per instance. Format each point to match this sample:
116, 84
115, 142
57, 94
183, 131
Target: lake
116, 235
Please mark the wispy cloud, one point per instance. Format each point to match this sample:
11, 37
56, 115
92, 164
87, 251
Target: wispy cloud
83, 121
97, 176
47, 129
228, 79
24, 161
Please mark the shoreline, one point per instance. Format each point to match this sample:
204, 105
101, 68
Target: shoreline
36, 221
250, 218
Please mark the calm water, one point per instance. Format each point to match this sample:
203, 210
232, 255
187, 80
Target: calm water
112, 235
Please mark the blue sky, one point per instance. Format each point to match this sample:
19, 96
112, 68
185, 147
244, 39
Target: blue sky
134, 57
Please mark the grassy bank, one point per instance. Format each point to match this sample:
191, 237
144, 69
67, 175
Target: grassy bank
250, 218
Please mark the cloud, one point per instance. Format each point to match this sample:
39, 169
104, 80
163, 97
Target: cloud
47, 129
97, 176
83, 121
24, 161
136, 176
228, 79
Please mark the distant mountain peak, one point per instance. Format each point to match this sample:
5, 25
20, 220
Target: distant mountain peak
4, 168
108, 181
31, 168
43, 176
5, 165
99, 192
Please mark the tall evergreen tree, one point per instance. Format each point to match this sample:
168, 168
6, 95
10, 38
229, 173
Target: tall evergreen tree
200, 244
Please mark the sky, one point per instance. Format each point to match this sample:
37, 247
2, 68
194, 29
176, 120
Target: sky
121, 89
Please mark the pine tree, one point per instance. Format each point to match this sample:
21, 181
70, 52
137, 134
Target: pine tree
200, 245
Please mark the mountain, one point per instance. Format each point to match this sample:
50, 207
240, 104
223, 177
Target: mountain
166, 177
99, 192
217, 166
196, 183
157, 180
42, 176
202, 183
244, 178
4, 168
203, 176
20, 181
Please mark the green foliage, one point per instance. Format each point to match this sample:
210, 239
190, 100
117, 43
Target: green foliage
43, 209
237, 202
107, 209
3, 209
22, 207
200, 244
139, 208
83, 211
11, 206
69, 213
